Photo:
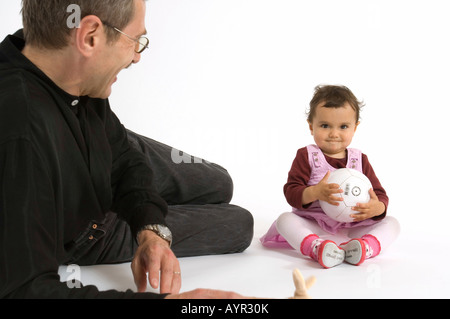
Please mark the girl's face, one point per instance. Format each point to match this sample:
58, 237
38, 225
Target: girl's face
333, 129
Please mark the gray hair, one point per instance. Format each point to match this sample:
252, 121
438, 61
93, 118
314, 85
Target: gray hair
45, 21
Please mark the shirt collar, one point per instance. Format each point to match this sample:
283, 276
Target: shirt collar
11, 53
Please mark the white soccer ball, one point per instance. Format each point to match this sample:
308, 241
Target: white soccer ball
356, 188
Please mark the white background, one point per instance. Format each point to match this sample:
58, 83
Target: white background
230, 81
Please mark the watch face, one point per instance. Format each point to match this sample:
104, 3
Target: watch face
164, 231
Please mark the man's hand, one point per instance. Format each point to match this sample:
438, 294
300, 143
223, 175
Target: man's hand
301, 291
154, 257
206, 294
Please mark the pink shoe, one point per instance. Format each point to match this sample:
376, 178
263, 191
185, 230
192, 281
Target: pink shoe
356, 251
328, 254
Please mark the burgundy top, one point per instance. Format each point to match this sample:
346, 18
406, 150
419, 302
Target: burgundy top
300, 173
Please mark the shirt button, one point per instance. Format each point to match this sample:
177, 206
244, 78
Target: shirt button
94, 226
91, 237
74, 102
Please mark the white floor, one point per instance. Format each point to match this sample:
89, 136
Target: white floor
410, 268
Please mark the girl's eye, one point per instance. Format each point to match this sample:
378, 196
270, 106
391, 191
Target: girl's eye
343, 127
324, 125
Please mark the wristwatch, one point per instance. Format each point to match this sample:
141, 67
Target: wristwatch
160, 230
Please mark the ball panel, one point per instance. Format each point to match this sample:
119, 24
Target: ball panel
356, 188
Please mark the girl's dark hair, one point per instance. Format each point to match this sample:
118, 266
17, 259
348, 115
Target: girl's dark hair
333, 96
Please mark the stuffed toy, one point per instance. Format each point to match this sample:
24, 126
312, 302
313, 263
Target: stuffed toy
301, 286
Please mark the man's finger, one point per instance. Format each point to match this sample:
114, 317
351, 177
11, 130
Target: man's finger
140, 276
176, 282
171, 278
166, 279
153, 273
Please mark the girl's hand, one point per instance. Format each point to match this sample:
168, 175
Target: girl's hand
368, 210
325, 192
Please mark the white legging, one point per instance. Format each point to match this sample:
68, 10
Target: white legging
295, 228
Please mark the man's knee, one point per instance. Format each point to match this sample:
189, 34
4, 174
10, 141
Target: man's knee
241, 227
225, 186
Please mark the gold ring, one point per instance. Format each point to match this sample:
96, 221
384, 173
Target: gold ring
177, 273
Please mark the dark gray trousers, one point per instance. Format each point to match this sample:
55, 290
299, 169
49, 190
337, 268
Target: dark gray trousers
200, 217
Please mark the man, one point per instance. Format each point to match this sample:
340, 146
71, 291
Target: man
75, 186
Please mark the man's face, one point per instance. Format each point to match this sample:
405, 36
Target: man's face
116, 56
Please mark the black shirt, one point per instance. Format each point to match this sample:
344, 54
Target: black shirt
64, 161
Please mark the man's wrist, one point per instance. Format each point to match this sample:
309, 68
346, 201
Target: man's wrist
146, 235
161, 231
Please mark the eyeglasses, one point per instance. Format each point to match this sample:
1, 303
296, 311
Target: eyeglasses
141, 42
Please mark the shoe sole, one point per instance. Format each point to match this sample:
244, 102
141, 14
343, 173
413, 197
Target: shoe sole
330, 254
355, 251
